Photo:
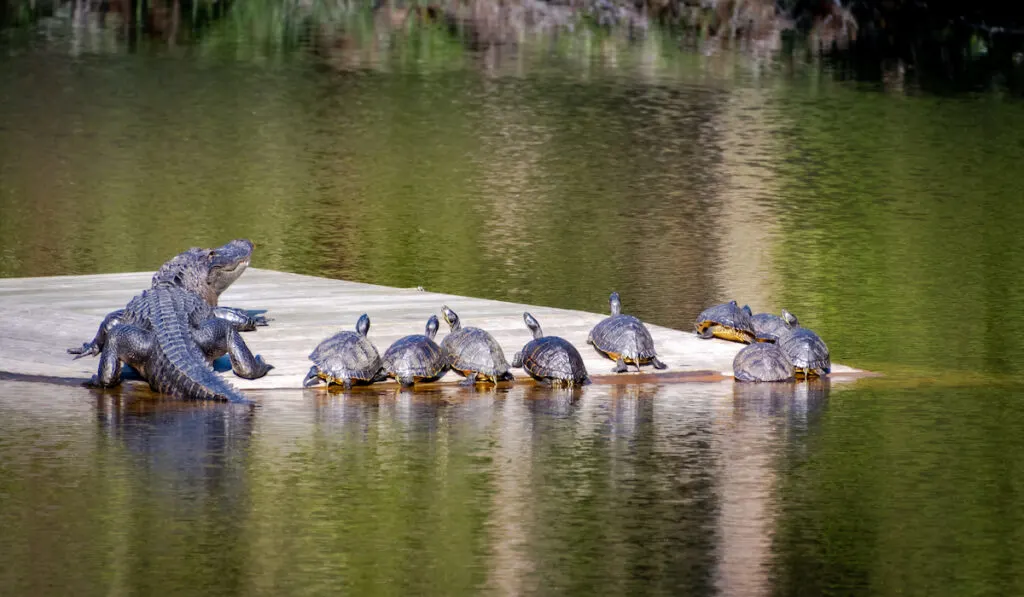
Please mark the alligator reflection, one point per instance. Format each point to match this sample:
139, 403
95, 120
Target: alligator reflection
185, 494
188, 450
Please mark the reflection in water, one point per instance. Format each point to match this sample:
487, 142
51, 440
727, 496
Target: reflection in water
198, 449
763, 416
188, 492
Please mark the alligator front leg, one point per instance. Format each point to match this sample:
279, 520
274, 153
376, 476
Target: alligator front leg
240, 318
96, 346
217, 337
122, 343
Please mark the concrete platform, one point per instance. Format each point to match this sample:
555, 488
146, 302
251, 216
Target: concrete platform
41, 317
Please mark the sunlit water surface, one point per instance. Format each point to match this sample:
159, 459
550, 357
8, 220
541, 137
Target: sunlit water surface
888, 219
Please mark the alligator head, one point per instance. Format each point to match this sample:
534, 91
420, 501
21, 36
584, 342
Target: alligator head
206, 272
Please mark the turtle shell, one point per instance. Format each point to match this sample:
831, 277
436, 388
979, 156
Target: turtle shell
806, 350
415, 357
346, 355
727, 321
473, 350
551, 358
768, 327
762, 361
625, 336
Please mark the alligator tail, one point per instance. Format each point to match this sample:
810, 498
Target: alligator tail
178, 367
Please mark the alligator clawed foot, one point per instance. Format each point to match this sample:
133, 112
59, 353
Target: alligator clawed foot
258, 370
88, 349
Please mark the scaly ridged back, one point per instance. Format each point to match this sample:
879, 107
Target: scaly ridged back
179, 367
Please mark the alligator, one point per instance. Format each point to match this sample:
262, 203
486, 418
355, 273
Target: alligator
173, 331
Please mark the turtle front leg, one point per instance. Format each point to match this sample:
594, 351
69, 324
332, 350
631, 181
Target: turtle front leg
312, 378
407, 381
470, 380
620, 366
122, 344
95, 347
658, 364
240, 318
517, 360
218, 336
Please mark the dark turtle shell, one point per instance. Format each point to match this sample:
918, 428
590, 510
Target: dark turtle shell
768, 327
762, 361
624, 337
554, 359
807, 351
727, 321
346, 358
550, 359
416, 358
472, 350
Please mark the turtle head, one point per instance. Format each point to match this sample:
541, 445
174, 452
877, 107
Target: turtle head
746, 309
227, 262
431, 327
615, 303
363, 325
790, 319
534, 326
450, 317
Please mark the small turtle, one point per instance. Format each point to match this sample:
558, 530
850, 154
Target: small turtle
473, 353
762, 361
346, 358
416, 358
550, 359
727, 321
807, 351
768, 327
624, 339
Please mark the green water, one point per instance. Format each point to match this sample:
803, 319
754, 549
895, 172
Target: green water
885, 217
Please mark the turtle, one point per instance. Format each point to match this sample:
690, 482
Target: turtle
416, 358
550, 359
807, 351
473, 353
727, 321
624, 339
762, 361
346, 358
768, 327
